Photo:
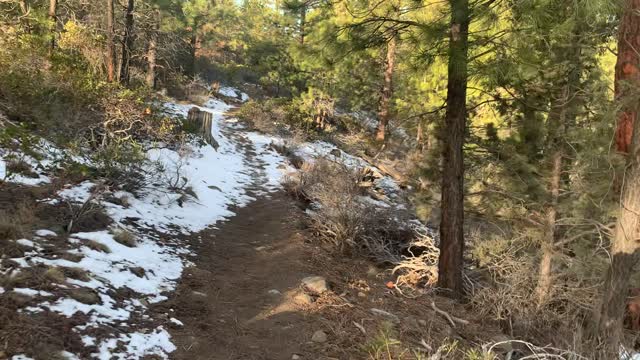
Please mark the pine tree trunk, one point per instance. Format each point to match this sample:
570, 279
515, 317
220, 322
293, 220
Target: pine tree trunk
195, 46
608, 319
152, 52
111, 45
387, 90
127, 44
53, 19
419, 135
561, 117
545, 275
451, 264
624, 249
627, 69
303, 23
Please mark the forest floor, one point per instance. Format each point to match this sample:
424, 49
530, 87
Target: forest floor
244, 298
224, 275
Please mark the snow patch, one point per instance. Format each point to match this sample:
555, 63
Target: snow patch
45, 233
31, 292
138, 345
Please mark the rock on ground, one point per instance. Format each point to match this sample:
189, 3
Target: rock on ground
315, 284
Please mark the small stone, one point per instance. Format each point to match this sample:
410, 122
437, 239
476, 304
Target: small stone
303, 299
315, 284
85, 296
319, 336
274, 292
422, 322
296, 357
361, 294
137, 271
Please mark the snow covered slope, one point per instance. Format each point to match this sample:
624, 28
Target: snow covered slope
118, 327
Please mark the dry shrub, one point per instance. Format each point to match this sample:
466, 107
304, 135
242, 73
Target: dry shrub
343, 216
266, 116
339, 217
420, 267
507, 292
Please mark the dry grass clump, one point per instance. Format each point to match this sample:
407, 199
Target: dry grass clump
8, 229
97, 246
15, 223
40, 277
344, 217
125, 237
76, 273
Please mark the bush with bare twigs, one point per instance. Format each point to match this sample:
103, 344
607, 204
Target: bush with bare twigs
507, 291
343, 216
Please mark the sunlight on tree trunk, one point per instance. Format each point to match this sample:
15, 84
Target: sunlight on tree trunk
387, 90
195, 47
153, 49
53, 19
111, 46
609, 316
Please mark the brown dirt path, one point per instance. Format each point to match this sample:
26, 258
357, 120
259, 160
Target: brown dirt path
224, 300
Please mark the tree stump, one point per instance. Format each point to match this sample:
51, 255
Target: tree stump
201, 122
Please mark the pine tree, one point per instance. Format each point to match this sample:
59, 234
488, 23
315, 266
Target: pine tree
450, 266
624, 244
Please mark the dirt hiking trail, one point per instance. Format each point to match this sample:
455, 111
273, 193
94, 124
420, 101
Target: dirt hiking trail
237, 300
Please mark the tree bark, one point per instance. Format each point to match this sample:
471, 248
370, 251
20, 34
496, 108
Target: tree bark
127, 44
195, 47
111, 45
153, 50
387, 90
545, 275
53, 19
450, 266
627, 71
608, 320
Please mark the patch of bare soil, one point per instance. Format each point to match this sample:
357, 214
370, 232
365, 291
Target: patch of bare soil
243, 299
